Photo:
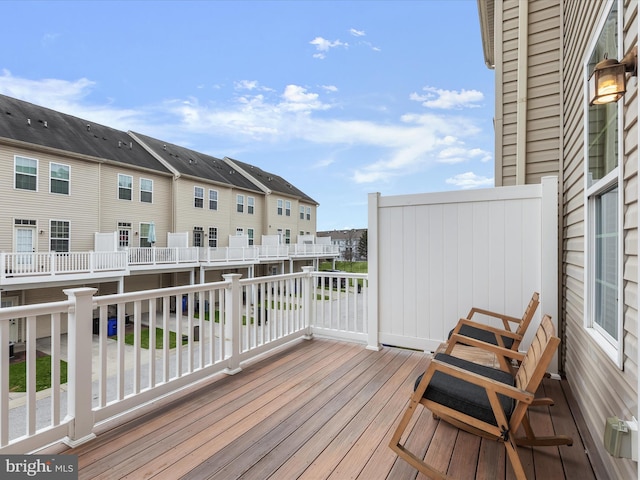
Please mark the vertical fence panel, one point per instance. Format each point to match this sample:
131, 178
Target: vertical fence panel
436, 255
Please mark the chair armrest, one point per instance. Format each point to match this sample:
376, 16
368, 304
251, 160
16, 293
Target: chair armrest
456, 338
505, 318
488, 328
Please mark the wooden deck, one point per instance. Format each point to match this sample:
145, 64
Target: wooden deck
319, 409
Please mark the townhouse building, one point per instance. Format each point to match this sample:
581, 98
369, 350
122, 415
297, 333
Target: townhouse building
86, 204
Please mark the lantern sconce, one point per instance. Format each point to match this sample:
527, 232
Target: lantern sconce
608, 82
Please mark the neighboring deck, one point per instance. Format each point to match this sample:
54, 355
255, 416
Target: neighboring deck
320, 409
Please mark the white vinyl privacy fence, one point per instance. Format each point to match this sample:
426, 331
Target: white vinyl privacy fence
433, 256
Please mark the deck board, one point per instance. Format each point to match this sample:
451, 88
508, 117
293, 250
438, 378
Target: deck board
318, 409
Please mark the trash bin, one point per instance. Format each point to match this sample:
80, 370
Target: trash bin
112, 327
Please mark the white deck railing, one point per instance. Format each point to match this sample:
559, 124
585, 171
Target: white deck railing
273, 251
229, 254
312, 249
60, 263
215, 327
161, 255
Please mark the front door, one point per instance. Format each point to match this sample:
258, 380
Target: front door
24, 246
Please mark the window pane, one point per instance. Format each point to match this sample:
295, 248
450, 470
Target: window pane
125, 186
603, 119
606, 262
26, 173
59, 236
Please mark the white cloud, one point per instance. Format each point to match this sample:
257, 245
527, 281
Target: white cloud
357, 33
459, 154
330, 88
49, 38
258, 116
297, 99
68, 97
250, 85
448, 99
469, 180
323, 46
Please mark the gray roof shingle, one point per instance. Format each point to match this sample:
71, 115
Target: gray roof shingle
26, 122
274, 182
196, 164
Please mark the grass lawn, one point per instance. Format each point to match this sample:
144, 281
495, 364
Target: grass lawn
351, 267
18, 374
144, 338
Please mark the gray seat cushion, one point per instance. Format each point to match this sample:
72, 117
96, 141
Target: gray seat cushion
466, 397
482, 335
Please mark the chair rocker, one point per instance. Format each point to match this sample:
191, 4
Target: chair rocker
484, 401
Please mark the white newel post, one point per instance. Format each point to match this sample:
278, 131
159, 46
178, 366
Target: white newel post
79, 366
307, 288
233, 321
373, 338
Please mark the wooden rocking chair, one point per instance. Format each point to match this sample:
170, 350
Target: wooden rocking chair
484, 401
468, 333
502, 337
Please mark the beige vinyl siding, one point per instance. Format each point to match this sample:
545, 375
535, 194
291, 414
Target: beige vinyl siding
601, 388
282, 221
244, 220
506, 93
44, 206
188, 216
114, 210
543, 94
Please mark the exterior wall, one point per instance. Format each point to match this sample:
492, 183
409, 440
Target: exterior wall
537, 73
284, 222
601, 388
245, 220
114, 210
43, 206
188, 216
558, 39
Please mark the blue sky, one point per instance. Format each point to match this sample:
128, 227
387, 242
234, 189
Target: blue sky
341, 98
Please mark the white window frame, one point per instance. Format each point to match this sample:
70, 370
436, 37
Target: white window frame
146, 190
250, 236
198, 194
213, 237
279, 206
612, 347
15, 172
213, 199
309, 213
251, 203
67, 180
287, 208
240, 203
120, 187
68, 238
301, 212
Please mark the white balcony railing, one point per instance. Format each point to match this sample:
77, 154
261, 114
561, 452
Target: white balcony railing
162, 255
313, 249
60, 263
229, 254
273, 251
203, 330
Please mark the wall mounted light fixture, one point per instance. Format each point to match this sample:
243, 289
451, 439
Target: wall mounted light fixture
608, 82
